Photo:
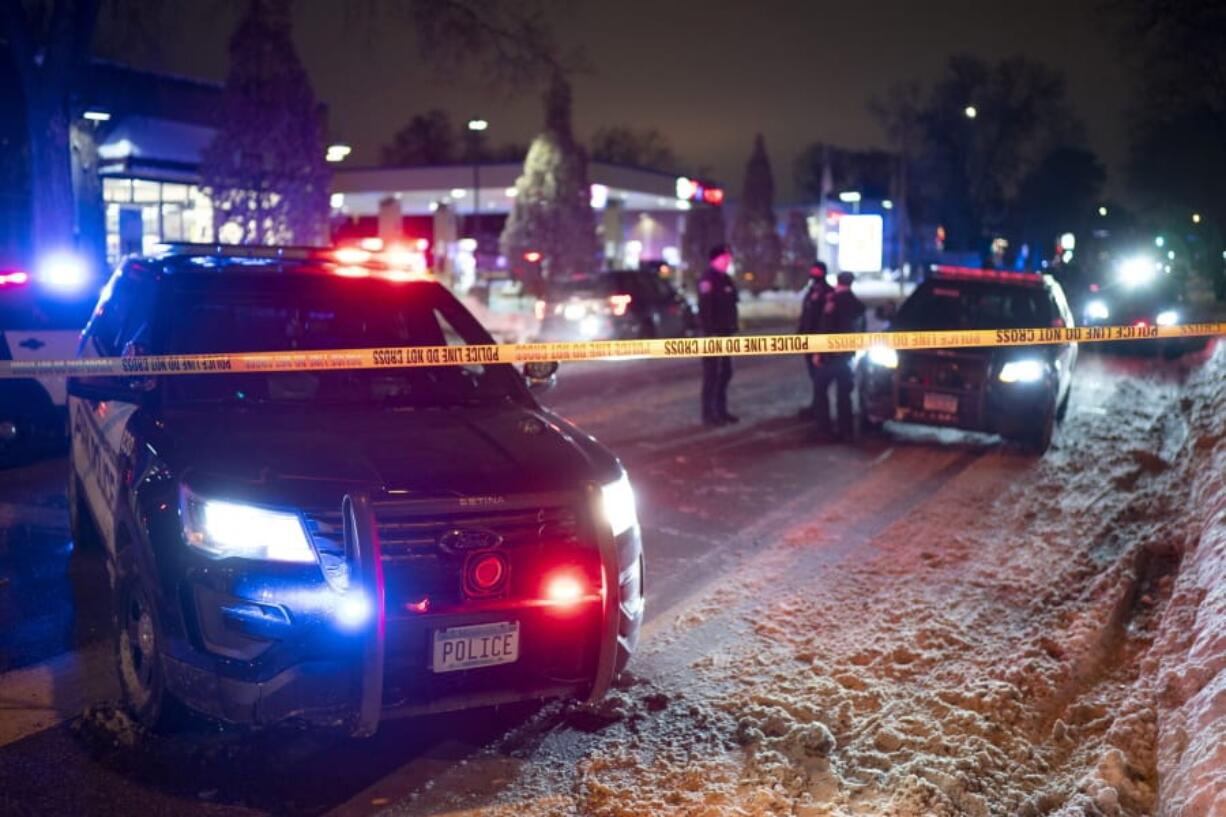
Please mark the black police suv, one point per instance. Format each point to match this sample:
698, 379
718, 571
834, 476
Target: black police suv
340, 546
1018, 392
616, 305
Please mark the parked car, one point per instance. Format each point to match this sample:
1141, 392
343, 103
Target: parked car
338, 547
617, 305
1018, 392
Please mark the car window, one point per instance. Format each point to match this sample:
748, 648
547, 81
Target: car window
332, 314
941, 304
122, 314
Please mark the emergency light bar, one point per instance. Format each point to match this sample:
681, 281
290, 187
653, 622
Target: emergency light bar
976, 274
17, 278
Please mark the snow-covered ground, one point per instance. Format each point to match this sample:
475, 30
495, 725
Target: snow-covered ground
1045, 640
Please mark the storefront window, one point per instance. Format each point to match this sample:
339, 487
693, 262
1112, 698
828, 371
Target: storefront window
142, 213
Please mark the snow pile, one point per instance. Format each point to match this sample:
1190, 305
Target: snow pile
1191, 650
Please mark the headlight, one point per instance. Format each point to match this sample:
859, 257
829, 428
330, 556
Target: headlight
234, 530
1138, 271
883, 356
1022, 371
1097, 311
619, 507
1168, 317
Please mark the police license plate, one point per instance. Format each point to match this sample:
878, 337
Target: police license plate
481, 645
942, 403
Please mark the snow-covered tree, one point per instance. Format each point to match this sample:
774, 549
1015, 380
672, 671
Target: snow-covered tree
755, 244
264, 169
799, 251
551, 230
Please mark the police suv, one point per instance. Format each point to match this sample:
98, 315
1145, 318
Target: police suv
340, 546
40, 319
1018, 392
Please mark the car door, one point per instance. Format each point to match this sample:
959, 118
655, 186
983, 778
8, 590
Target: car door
100, 410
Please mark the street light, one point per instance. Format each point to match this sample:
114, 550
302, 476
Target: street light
971, 111
337, 152
1196, 218
1102, 211
476, 126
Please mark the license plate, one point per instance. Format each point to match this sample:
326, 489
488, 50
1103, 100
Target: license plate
480, 645
942, 403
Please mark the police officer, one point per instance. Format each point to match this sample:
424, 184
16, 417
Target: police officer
814, 300
717, 317
842, 311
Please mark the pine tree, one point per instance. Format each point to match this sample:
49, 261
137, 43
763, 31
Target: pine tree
552, 214
799, 251
265, 169
755, 244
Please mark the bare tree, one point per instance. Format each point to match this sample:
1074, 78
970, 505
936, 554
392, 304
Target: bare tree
621, 145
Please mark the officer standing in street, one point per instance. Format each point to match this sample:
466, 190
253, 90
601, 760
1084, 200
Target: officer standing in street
814, 300
717, 317
842, 312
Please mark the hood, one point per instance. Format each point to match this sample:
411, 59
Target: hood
496, 450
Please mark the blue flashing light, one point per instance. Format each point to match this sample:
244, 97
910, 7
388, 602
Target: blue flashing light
63, 272
353, 611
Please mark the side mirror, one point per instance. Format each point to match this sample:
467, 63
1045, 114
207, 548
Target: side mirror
541, 375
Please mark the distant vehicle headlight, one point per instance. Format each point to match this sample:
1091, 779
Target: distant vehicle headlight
574, 312
235, 530
1097, 311
1138, 271
883, 356
1022, 371
619, 506
1168, 317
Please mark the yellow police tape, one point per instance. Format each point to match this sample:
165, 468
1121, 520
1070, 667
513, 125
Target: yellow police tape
743, 345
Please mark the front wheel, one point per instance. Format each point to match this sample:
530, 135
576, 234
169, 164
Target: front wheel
138, 657
1039, 438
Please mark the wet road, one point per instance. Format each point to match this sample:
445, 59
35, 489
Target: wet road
708, 499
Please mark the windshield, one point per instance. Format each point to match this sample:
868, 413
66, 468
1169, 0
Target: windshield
321, 314
961, 305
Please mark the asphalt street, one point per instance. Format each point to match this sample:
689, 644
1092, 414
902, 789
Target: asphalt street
708, 498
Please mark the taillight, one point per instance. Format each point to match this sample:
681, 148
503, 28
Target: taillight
620, 303
485, 574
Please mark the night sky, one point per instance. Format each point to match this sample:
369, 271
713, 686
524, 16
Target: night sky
706, 74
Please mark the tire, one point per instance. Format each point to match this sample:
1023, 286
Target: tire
1038, 440
1062, 409
138, 657
81, 525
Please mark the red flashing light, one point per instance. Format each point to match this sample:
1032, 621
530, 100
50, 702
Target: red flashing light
14, 278
423, 244
620, 303
713, 195
352, 255
353, 272
532, 256
485, 574
373, 244
422, 606
976, 274
1141, 324
563, 588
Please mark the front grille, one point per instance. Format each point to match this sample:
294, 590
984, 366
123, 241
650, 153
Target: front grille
944, 371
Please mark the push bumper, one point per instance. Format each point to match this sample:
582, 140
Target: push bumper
347, 681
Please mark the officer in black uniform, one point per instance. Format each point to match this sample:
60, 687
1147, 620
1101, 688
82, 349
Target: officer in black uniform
814, 300
842, 312
717, 317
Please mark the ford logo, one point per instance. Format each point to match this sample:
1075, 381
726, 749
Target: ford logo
462, 539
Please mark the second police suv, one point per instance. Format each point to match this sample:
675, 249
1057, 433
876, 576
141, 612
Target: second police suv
340, 546
1018, 392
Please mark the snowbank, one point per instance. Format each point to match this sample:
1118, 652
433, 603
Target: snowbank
1190, 653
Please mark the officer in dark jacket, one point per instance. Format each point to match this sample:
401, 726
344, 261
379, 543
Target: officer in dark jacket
717, 317
842, 312
812, 303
